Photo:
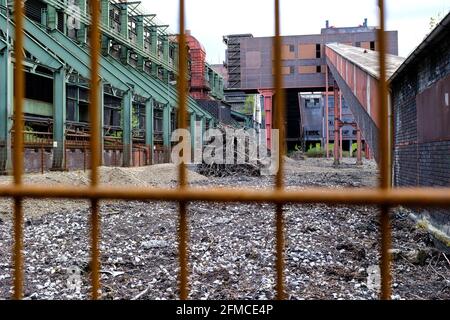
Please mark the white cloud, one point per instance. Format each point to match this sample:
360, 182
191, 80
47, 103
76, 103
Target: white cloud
209, 20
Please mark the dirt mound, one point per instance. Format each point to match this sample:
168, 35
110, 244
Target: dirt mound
162, 174
157, 175
119, 176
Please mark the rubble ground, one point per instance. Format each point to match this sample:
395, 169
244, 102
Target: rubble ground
331, 252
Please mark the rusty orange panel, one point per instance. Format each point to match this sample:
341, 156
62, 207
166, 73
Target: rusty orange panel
374, 101
361, 82
350, 70
306, 69
433, 112
307, 51
286, 53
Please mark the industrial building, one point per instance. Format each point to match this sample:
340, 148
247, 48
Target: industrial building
304, 67
313, 123
138, 71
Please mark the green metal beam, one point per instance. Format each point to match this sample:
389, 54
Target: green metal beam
140, 40
101, 96
140, 87
141, 84
164, 92
124, 31
149, 138
154, 48
82, 32
112, 34
5, 108
193, 119
52, 17
33, 47
58, 49
161, 92
59, 119
166, 49
104, 18
3, 4
127, 135
203, 127
81, 55
166, 126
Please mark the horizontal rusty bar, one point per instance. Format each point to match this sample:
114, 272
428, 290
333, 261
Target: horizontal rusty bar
417, 197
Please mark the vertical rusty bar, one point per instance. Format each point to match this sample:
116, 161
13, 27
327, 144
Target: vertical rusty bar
340, 127
384, 160
327, 132
182, 101
65, 156
95, 143
42, 159
336, 125
279, 182
19, 90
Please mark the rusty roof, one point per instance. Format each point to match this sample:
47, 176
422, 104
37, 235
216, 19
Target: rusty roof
367, 60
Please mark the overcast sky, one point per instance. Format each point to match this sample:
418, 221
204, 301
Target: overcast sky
209, 20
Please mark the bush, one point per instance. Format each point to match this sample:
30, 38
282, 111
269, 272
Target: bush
315, 153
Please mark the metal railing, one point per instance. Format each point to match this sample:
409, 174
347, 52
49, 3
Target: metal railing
384, 196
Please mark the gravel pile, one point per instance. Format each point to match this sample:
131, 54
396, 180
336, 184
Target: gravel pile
331, 252
151, 176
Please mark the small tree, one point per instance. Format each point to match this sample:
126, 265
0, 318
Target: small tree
249, 104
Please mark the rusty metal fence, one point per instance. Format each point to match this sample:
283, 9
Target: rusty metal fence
384, 197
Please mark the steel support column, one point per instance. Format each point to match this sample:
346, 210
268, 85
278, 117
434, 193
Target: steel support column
192, 124
6, 101
367, 151
127, 135
327, 129
359, 152
166, 128
166, 46
124, 31
149, 132
336, 125
154, 48
268, 104
203, 127
100, 93
140, 40
52, 17
340, 129
350, 150
59, 118
81, 34
105, 20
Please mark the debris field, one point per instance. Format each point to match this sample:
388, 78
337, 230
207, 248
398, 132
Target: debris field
332, 252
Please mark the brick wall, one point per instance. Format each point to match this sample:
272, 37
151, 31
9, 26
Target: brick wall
421, 163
